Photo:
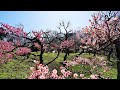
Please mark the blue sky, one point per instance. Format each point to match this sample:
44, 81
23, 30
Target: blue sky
36, 20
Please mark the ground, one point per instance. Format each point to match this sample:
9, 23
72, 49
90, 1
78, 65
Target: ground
17, 69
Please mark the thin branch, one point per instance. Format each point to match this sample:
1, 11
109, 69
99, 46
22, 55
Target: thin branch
54, 58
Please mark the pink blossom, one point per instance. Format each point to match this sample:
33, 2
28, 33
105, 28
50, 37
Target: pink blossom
54, 74
54, 71
17, 31
10, 56
40, 66
61, 68
17, 43
37, 45
82, 41
67, 44
1, 55
81, 75
46, 69
63, 71
68, 73
23, 51
41, 77
24, 34
38, 34
89, 41
33, 75
6, 46
61, 77
75, 75
94, 76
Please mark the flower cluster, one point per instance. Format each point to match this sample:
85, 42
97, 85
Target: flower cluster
1, 55
6, 46
5, 51
93, 63
67, 44
9, 55
100, 32
17, 42
5, 57
80, 60
22, 51
42, 72
37, 45
17, 31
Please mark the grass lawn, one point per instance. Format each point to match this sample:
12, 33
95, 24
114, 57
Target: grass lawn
20, 70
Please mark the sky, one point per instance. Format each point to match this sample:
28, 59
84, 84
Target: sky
45, 20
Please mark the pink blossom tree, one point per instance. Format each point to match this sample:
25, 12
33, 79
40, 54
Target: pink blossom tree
67, 42
38, 39
103, 32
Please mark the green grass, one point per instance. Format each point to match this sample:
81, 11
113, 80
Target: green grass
111, 73
17, 69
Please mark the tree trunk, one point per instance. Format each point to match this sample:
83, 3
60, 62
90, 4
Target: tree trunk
109, 54
41, 54
94, 54
108, 57
66, 54
65, 57
117, 46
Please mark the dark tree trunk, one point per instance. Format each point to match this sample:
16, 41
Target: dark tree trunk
65, 57
117, 46
41, 54
66, 53
94, 54
108, 57
110, 52
118, 69
89, 52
